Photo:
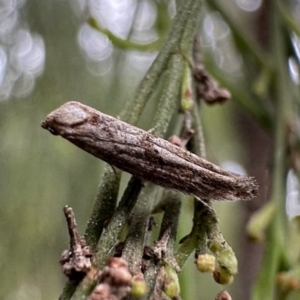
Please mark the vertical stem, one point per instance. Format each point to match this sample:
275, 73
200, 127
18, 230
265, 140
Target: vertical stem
110, 236
264, 287
134, 246
104, 205
150, 80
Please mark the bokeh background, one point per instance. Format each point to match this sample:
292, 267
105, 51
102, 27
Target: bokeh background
48, 56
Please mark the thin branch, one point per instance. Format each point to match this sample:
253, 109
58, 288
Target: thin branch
136, 238
264, 287
104, 205
134, 246
110, 235
242, 39
152, 77
289, 20
122, 43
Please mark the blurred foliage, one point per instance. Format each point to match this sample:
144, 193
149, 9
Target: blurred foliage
254, 52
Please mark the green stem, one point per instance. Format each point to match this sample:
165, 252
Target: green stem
172, 90
187, 39
264, 287
132, 115
241, 38
113, 230
198, 141
68, 291
110, 235
169, 98
171, 203
289, 20
121, 43
197, 237
136, 238
104, 205
102, 211
218, 245
134, 246
152, 77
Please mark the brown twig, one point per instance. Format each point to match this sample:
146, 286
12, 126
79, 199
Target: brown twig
76, 261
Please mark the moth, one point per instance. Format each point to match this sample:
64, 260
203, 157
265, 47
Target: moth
146, 156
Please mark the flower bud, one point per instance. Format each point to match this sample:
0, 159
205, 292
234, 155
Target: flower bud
224, 295
171, 283
205, 263
287, 281
221, 276
138, 285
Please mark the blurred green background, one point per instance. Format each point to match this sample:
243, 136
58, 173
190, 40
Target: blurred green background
48, 56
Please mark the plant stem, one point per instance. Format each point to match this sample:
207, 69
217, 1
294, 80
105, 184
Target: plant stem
136, 238
169, 96
241, 38
289, 20
171, 203
111, 235
134, 246
197, 237
132, 115
264, 287
104, 205
121, 43
151, 79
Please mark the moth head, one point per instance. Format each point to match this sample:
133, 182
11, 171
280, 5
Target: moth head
70, 114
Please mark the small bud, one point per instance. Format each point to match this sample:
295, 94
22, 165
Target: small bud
293, 284
119, 276
287, 281
101, 291
186, 89
115, 273
174, 139
186, 101
221, 276
171, 283
117, 262
138, 285
224, 295
224, 254
205, 263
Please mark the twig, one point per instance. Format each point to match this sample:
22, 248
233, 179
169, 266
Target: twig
197, 238
75, 239
158, 285
264, 287
241, 37
150, 80
111, 234
76, 261
121, 43
104, 205
134, 245
136, 237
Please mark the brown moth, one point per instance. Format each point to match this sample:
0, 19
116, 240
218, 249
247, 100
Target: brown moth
145, 156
